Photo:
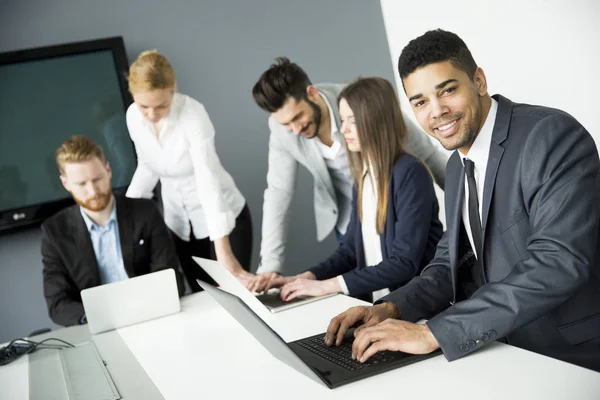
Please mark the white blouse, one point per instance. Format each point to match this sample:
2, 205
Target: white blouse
370, 237
196, 188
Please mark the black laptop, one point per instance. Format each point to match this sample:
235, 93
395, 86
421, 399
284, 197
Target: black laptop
332, 366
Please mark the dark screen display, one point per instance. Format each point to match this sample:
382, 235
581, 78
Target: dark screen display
43, 103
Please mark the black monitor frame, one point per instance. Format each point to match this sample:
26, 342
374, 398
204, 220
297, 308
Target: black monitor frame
35, 214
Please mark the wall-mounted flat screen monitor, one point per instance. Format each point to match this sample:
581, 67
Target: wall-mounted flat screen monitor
47, 95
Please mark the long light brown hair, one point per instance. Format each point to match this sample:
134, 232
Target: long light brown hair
381, 134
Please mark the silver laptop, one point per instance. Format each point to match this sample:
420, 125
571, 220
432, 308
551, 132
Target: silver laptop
128, 302
271, 300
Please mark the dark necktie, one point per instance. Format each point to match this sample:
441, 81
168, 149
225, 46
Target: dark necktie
475, 221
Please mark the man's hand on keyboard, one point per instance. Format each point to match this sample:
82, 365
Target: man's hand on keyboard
360, 317
394, 335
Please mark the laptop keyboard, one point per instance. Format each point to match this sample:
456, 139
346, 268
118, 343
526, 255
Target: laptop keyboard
342, 355
273, 299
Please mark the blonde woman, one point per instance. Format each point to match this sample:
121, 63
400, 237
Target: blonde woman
174, 141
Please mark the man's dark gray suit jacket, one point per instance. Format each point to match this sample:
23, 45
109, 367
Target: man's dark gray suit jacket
70, 261
540, 219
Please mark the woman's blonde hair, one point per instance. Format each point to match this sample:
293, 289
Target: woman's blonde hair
151, 71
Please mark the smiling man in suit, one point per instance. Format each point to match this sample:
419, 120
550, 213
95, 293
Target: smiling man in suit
519, 260
305, 130
102, 239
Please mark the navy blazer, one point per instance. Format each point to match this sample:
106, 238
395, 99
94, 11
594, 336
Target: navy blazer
408, 243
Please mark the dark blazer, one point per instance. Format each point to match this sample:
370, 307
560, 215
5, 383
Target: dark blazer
412, 231
540, 217
70, 261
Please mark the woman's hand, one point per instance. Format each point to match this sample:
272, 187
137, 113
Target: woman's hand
226, 257
263, 282
309, 287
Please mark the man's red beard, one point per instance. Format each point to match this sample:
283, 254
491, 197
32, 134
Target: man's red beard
97, 203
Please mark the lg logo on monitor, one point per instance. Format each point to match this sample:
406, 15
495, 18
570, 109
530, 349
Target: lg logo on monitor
18, 216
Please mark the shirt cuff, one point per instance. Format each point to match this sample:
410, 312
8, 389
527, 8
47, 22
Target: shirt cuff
268, 267
220, 224
342, 283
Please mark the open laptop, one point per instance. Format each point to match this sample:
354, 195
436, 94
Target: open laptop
271, 300
331, 366
128, 302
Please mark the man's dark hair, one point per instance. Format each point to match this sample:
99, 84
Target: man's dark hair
282, 80
433, 47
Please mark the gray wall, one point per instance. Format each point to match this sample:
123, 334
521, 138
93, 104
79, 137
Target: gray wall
218, 49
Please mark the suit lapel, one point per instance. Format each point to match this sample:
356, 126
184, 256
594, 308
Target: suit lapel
454, 199
81, 235
495, 156
499, 134
316, 163
125, 234
333, 102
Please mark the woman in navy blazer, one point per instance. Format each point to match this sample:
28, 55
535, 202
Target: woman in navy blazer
393, 193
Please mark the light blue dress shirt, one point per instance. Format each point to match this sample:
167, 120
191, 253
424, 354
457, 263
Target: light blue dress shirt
107, 246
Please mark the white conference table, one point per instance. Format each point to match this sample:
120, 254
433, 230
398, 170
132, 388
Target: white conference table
202, 352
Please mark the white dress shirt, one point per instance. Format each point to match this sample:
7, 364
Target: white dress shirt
337, 164
196, 188
370, 237
479, 154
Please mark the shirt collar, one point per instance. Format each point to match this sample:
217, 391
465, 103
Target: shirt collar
91, 224
176, 105
480, 149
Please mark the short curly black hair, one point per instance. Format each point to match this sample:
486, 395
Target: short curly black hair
433, 47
